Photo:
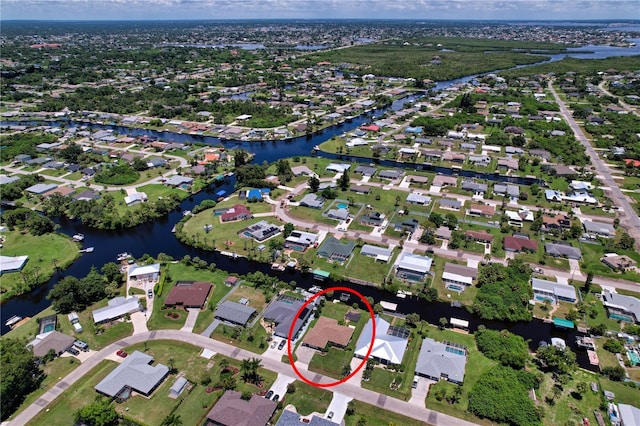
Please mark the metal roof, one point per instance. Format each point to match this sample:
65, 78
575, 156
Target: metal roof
134, 372
234, 312
435, 360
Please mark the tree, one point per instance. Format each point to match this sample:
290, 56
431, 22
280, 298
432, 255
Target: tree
613, 346
616, 373
314, 184
451, 221
507, 348
171, 420
412, 319
20, 374
557, 359
343, 181
240, 157
65, 295
140, 165
443, 323
436, 219
626, 242
288, 228
98, 413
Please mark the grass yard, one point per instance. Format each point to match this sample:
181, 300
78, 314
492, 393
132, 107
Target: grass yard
308, 399
256, 297
61, 411
375, 416
367, 267
54, 370
592, 253
154, 191
466, 297
252, 339
331, 363
44, 251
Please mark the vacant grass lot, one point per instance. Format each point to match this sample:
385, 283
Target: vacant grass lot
308, 399
44, 251
375, 416
252, 339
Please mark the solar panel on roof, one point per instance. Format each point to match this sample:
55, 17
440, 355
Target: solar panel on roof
401, 332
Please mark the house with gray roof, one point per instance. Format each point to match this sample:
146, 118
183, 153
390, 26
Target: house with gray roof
629, 415
302, 171
5, 179
378, 253
116, 308
372, 219
365, 170
458, 274
511, 191
312, 201
41, 188
415, 198
283, 310
408, 224
391, 174
291, 418
413, 267
562, 250
448, 203
552, 291
178, 180
439, 361
480, 160
235, 313
339, 214
620, 305
232, 410
598, 228
334, 249
135, 373
476, 188
53, 341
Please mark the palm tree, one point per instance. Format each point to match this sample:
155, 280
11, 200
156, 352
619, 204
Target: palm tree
255, 364
171, 420
246, 369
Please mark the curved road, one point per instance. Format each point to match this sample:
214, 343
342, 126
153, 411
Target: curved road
628, 218
349, 389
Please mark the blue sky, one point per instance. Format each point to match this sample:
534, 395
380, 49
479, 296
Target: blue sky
310, 9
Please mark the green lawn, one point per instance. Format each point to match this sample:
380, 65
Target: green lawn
44, 253
308, 399
365, 267
466, 297
375, 416
252, 339
331, 363
592, 253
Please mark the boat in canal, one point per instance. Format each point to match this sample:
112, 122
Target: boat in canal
13, 320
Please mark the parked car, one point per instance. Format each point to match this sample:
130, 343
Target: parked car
415, 382
276, 398
122, 353
81, 345
73, 351
281, 345
330, 415
150, 293
269, 394
538, 270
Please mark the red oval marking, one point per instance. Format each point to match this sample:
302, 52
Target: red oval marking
364, 361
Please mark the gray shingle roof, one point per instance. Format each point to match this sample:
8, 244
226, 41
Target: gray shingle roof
282, 312
434, 361
562, 250
234, 312
232, 410
289, 418
134, 372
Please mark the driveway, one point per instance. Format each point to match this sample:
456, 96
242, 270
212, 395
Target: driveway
304, 355
419, 394
191, 319
338, 406
279, 387
139, 321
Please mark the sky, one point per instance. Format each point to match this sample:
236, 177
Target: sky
319, 9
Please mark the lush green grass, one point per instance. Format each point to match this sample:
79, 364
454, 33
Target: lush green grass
256, 298
375, 416
252, 339
54, 371
61, 411
365, 267
591, 255
30, 328
308, 399
156, 190
606, 358
466, 297
331, 363
44, 253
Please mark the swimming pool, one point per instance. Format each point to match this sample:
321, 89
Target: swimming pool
454, 350
48, 327
634, 358
455, 287
621, 317
543, 298
342, 205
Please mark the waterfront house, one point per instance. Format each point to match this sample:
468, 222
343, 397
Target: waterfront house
552, 291
282, 311
455, 276
300, 240
621, 307
234, 313
53, 341
335, 250
189, 294
237, 212
476, 188
413, 267
389, 342
327, 332
441, 361
116, 308
378, 253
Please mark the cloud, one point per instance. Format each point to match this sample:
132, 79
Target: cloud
309, 9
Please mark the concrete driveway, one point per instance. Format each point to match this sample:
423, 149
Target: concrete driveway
279, 387
419, 394
191, 319
304, 355
338, 406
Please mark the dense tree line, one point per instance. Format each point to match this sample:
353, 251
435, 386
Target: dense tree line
501, 395
24, 143
504, 292
30, 220
20, 374
507, 348
15, 190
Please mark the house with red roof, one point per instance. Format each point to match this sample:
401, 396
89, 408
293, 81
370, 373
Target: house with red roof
519, 244
634, 163
370, 128
237, 212
189, 294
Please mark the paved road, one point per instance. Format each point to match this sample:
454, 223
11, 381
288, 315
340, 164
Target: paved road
628, 218
349, 389
624, 105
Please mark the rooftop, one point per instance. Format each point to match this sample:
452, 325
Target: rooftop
232, 410
133, 372
327, 330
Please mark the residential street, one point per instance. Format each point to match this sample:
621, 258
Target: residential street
349, 389
628, 218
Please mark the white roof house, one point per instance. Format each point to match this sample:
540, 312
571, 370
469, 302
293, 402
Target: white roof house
629, 414
116, 308
543, 289
338, 167
619, 302
415, 263
12, 264
389, 344
414, 198
378, 253
136, 373
136, 197
301, 237
436, 361
144, 271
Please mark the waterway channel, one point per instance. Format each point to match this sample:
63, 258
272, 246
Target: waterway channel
156, 237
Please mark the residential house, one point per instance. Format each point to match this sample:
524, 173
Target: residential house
41, 188
237, 212
628, 414
156, 162
338, 214
360, 189
441, 361
261, 231
600, 229
178, 180
562, 250
87, 195
417, 179
5, 179
338, 167
232, 410
432, 154
135, 198
134, 373
408, 224
443, 233
335, 250
454, 157
372, 219
326, 332
12, 263
508, 163
148, 273
417, 198
389, 342
618, 262
456, 277
116, 308
291, 418
511, 191
542, 153
480, 236
485, 210
442, 181
450, 204
621, 307
282, 311
552, 291
300, 240
519, 244
53, 341
558, 222
312, 201
513, 150
413, 267
302, 171
478, 189
189, 294
235, 313
365, 170
480, 160
391, 174
378, 253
